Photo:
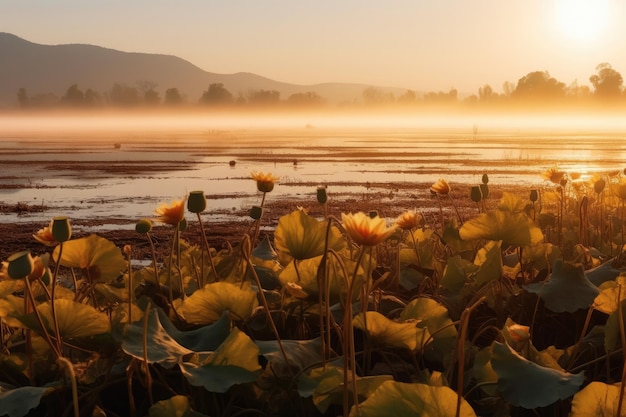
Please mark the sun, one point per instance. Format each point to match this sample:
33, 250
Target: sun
582, 20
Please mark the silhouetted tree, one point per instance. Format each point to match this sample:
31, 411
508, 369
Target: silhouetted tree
148, 91
373, 96
216, 94
22, 97
538, 85
74, 97
264, 97
44, 100
607, 82
409, 97
173, 97
123, 95
309, 98
92, 98
441, 97
578, 93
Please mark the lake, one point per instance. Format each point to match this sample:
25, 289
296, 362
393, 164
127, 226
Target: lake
115, 166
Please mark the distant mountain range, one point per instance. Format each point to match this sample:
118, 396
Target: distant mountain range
42, 69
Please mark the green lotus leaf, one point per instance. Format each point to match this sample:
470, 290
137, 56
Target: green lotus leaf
264, 250
489, 262
201, 339
566, 289
301, 354
234, 362
603, 273
207, 304
176, 406
386, 332
301, 236
393, 398
597, 400
75, 319
455, 273
512, 228
99, 257
325, 385
512, 203
483, 372
19, 401
611, 294
160, 346
429, 314
525, 384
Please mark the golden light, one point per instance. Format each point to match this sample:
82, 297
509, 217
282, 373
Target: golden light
582, 20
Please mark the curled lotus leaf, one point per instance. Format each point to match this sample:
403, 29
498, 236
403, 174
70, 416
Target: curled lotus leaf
515, 229
176, 406
597, 400
393, 398
611, 294
301, 236
386, 332
207, 304
526, 384
566, 289
101, 260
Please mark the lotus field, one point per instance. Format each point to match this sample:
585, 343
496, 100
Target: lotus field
513, 308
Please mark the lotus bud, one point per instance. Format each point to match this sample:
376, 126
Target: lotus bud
563, 182
196, 202
534, 195
485, 179
598, 187
182, 225
61, 229
476, 194
256, 212
322, 197
143, 226
128, 250
20, 265
484, 188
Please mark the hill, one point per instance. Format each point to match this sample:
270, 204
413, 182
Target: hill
52, 69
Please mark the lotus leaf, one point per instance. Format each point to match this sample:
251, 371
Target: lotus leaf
489, 262
525, 384
207, 304
234, 362
10, 286
455, 273
514, 229
75, 319
99, 257
300, 236
386, 332
393, 398
160, 346
612, 331
603, 273
264, 250
201, 339
611, 294
511, 202
325, 385
176, 406
431, 315
566, 289
597, 400
11, 307
19, 401
301, 354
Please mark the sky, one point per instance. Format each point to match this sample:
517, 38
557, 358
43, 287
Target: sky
424, 45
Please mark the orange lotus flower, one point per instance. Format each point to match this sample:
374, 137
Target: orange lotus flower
440, 187
554, 175
409, 220
264, 182
365, 230
45, 237
171, 214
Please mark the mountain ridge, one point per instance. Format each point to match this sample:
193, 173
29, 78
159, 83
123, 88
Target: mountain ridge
42, 69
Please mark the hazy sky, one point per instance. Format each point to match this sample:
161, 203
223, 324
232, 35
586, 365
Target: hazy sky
417, 44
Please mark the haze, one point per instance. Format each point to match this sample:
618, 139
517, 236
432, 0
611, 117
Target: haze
420, 45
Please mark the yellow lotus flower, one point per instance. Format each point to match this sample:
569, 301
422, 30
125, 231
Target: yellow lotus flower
171, 214
365, 230
410, 220
554, 175
45, 237
264, 182
440, 187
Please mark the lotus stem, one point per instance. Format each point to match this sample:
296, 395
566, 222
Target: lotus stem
53, 300
72, 375
205, 244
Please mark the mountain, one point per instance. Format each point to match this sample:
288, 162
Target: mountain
54, 68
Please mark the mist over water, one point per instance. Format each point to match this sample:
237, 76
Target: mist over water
117, 165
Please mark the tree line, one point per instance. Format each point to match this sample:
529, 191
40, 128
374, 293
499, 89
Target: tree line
534, 88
